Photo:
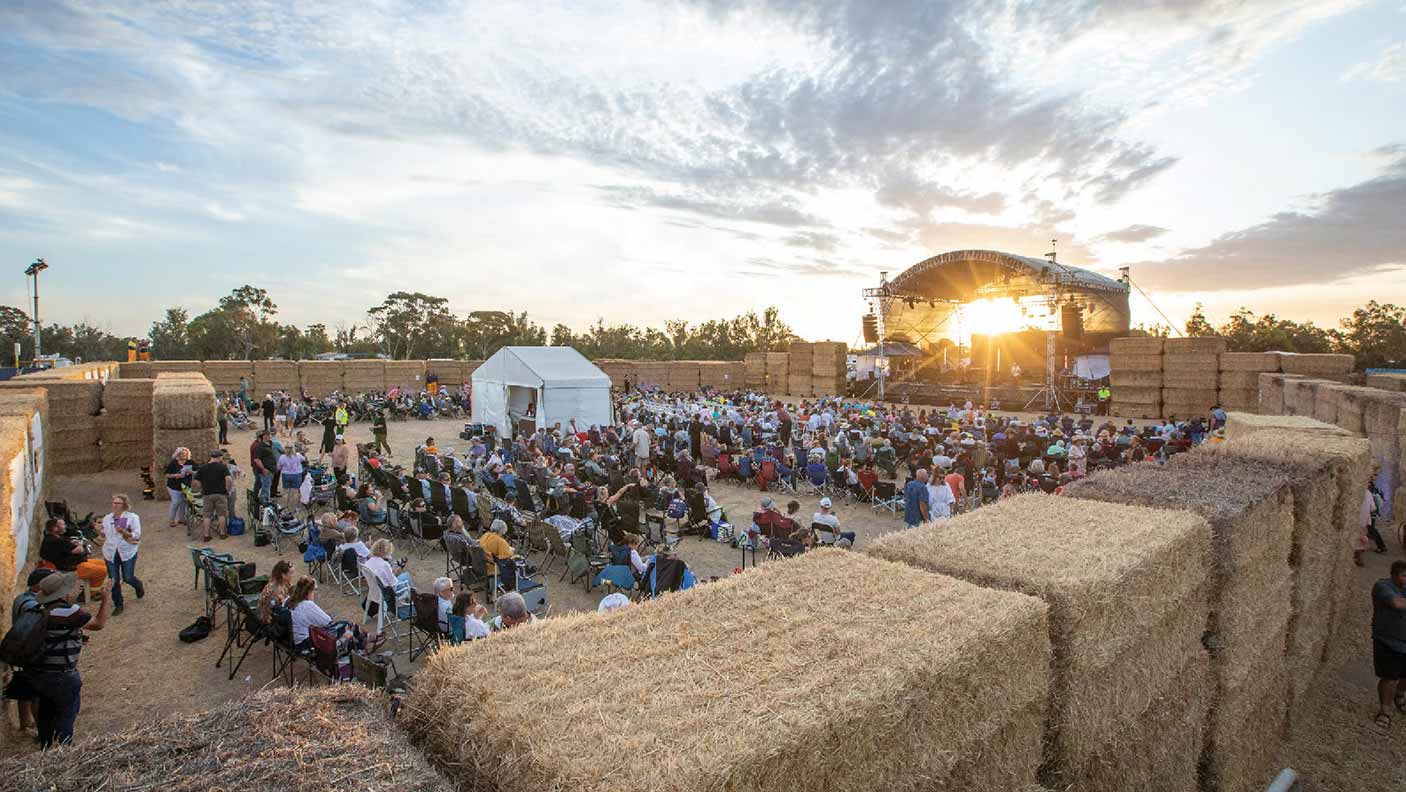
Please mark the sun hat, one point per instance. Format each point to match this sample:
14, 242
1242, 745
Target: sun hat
55, 586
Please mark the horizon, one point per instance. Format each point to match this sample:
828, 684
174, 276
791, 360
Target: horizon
695, 160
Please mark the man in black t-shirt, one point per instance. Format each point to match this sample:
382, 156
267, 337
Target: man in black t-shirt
268, 406
215, 484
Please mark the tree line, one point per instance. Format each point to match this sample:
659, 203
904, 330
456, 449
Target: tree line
244, 325
1375, 334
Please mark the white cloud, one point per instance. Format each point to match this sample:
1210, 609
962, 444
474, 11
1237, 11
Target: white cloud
219, 212
1387, 67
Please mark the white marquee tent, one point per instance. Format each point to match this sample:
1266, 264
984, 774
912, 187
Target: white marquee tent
540, 386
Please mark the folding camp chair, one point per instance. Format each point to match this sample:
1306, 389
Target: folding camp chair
346, 571
825, 536
246, 628
886, 497
324, 655
424, 622
388, 601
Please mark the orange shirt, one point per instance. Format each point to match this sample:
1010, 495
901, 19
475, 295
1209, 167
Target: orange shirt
957, 484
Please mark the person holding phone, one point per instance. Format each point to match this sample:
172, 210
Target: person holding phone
122, 530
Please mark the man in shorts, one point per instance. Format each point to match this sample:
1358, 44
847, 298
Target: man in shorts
1389, 642
216, 482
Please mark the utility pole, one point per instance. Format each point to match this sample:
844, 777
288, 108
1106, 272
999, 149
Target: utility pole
33, 271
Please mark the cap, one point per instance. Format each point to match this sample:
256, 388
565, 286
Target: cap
767, 503
825, 503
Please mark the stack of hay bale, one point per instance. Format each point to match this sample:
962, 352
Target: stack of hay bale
1274, 392
1129, 602
23, 425
449, 372
1327, 473
755, 377
364, 376
1190, 375
1384, 423
274, 375
320, 378
778, 372
183, 409
74, 404
651, 374
800, 367
31, 404
1135, 376
408, 375
1323, 366
828, 368
1250, 508
1390, 382
682, 376
224, 375
618, 370
470, 366
1240, 378
734, 375
1239, 425
946, 692
712, 374
125, 427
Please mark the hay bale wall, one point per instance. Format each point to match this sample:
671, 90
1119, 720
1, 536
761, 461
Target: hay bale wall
24, 478
755, 363
136, 370
1249, 506
224, 375
321, 378
1324, 366
260, 741
405, 374
369, 376
1390, 382
1127, 591
274, 375
183, 415
177, 366
1138, 345
72, 405
1238, 425
946, 692
828, 368
1384, 422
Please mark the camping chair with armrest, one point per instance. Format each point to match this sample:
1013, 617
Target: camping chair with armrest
456, 554
378, 672
346, 572
664, 575
425, 530
886, 497
439, 500
424, 622
389, 601
783, 548
280, 637
462, 506
197, 560
582, 561
246, 629
195, 506
697, 520
523, 498
825, 536
556, 549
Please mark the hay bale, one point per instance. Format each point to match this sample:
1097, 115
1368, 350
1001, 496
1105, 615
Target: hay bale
1391, 382
1138, 395
1240, 380
1316, 365
1301, 396
1126, 588
1190, 378
1383, 413
262, 740
1188, 401
183, 404
66, 398
224, 375
1138, 345
944, 693
1351, 406
1250, 362
1238, 400
1136, 409
1238, 424
177, 366
1135, 379
1130, 362
1325, 401
1248, 720
405, 374
128, 396
21, 485
136, 370
1202, 345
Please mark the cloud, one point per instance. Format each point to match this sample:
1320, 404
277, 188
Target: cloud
906, 191
803, 267
221, 213
1349, 232
781, 211
825, 243
1388, 67
1134, 233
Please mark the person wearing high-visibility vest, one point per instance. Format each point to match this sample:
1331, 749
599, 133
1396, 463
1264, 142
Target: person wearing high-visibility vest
131, 350
342, 420
1104, 394
144, 350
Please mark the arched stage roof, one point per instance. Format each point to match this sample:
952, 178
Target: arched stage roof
965, 275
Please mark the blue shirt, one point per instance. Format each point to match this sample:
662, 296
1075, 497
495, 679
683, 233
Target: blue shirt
914, 494
1388, 623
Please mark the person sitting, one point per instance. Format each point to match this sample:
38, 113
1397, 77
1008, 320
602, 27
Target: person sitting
467, 609
369, 505
444, 599
351, 541
495, 546
771, 523
276, 591
68, 554
827, 517
306, 613
816, 473
390, 578
512, 611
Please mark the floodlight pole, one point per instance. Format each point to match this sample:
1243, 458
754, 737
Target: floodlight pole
883, 345
33, 271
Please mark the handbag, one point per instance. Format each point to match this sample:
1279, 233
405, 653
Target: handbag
236, 526
197, 631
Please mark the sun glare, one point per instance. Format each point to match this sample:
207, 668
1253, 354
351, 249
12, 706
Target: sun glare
992, 317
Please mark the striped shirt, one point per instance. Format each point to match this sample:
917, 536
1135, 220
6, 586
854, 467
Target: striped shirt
65, 637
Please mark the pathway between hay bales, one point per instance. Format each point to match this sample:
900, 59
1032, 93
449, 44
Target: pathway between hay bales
136, 669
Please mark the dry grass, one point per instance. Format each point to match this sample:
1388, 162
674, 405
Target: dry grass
1239, 424
1340, 748
1315, 364
1134, 362
1207, 345
926, 683
1249, 362
1188, 378
1142, 345
329, 739
67, 398
1126, 588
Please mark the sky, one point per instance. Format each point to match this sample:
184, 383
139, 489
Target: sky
641, 161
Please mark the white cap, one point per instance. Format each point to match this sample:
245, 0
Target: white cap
824, 503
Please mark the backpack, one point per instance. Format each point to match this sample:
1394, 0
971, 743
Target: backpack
23, 644
677, 509
197, 631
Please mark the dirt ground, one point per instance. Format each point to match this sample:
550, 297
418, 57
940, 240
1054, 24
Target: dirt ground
137, 669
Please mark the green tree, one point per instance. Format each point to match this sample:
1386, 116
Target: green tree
485, 332
1375, 335
1196, 325
1246, 332
170, 338
411, 325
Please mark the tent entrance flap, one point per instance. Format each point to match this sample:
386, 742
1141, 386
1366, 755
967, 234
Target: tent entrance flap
522, 404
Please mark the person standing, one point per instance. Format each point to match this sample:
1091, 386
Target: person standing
222, 415
243, 393
177, 478
122, 530
640, 438
940, 499
268, 407
379, 431
915, 500
329, 435
216, 482
55, 680
1389, 642
342, 420
341, 455
264, 462
290, 470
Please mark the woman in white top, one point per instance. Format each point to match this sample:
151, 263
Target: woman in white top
390, 579
122, 530
305, 613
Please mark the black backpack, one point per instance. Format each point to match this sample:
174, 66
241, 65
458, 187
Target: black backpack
198, 631
23, 644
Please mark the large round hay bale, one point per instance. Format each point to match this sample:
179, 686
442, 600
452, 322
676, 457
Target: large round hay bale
1136, 345
1206, 345
1137, 362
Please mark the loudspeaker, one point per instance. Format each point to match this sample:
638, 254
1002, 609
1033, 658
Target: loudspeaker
1071, 320
871, 329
